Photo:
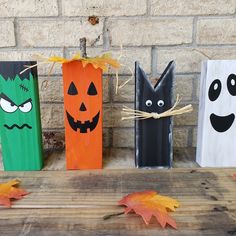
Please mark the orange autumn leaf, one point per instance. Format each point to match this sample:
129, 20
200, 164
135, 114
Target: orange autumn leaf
234, 176
148, 204
9, 191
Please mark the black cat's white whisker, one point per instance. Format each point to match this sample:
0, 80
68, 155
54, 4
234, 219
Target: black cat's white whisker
130, 113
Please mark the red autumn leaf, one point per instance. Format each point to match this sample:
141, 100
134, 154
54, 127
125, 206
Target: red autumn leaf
8, 191
148, 204
234, 176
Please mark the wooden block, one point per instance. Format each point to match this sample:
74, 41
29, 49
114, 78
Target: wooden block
83, 115
216, 146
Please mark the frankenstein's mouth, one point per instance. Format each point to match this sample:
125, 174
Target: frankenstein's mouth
18, 127
221, 123
83, 127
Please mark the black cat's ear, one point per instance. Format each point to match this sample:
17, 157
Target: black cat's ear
141, 79
139, 73
167, 77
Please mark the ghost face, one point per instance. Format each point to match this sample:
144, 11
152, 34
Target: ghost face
221, 123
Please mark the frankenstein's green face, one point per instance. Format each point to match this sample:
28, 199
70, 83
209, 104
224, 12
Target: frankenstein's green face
20, 126
16, 102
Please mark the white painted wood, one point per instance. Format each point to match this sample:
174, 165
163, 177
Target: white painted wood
216, 149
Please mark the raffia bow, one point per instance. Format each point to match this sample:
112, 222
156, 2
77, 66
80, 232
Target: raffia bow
142, 115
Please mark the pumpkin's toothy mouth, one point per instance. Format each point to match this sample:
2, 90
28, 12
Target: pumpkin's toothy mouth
83, 127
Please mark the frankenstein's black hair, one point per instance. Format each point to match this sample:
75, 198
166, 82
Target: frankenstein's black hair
9, 69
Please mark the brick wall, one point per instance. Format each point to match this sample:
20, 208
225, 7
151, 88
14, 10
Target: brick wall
151, 31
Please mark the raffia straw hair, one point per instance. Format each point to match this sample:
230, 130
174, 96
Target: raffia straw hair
47, 60
142, 115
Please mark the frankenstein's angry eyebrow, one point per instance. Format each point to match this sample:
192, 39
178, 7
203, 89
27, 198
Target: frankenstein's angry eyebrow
23, 103
4, 96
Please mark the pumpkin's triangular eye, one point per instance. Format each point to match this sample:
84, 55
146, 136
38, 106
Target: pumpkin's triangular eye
72, 90
92, 90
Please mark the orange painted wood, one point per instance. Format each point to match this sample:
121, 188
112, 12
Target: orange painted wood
84, 145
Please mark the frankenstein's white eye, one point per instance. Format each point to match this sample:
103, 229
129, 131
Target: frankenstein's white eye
26, 107
160, 103
7, 106
148, 103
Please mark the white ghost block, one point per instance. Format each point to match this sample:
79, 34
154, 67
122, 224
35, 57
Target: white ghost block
216, 144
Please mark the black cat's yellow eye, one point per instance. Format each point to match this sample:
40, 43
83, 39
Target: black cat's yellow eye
148, 103
160, 103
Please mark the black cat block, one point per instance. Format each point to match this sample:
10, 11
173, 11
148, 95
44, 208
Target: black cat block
153, 137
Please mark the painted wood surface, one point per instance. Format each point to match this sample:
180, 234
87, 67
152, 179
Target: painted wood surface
74, 202
20, 121
83, 115
153, 137
217, 110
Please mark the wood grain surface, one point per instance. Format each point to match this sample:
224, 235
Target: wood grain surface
74, 202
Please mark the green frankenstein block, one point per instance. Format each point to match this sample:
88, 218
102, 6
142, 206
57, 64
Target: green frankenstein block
20, 125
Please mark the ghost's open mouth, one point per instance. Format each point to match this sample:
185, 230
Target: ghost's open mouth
221, 123
83, 127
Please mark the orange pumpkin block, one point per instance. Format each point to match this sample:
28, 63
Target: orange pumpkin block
83, 115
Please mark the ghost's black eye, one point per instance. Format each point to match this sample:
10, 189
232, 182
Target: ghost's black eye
231, 84
160, 103
214, 90
92, 89
72, 90
148, 103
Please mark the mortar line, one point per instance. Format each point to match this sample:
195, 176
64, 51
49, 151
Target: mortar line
59, 7
148, 8
190, 137
105, 35
15, 24
154, 57
194, 36
119, 17
129, 47
122, 17
195, 85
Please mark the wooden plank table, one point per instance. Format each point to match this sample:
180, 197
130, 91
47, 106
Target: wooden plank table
74, 202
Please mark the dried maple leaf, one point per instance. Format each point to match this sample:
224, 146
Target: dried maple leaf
148, 204
8, 192
234, 176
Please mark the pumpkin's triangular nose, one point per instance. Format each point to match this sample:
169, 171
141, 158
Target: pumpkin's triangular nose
82, 107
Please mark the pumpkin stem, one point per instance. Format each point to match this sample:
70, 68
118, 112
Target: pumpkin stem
83, 47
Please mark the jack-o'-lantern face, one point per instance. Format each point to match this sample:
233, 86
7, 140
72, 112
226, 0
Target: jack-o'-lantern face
82, 96
87, 125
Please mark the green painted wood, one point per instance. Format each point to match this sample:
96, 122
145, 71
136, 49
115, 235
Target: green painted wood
20, 125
